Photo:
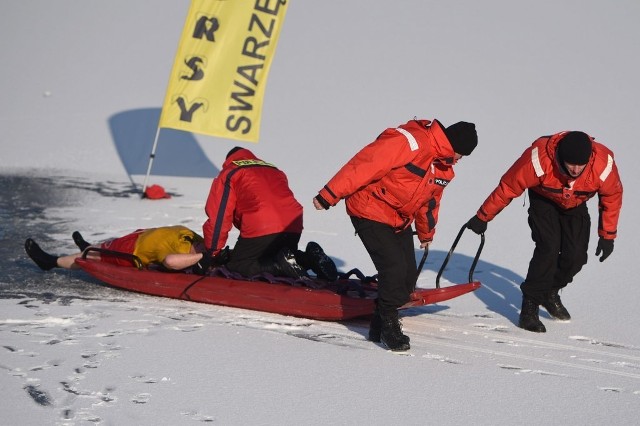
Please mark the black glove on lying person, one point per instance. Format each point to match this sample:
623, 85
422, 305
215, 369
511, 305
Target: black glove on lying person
477, 225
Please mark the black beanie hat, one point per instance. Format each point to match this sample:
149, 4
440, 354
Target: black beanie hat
575, 148
462, 137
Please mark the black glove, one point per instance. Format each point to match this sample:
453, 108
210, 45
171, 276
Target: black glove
203, 265
208, 261
605, 247
477, 225
222, 258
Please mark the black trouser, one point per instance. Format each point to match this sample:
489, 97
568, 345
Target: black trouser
251, 256
562, 240
393, 255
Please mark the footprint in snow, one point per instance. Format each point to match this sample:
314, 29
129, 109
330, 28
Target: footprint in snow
488, 316
141, 398
82, 415
88, 354
39, 396
112, 333
48, 364
442, 359
187, 328
198, 417
519, 370
500, 328
608, 389
602, 343
505, 342
143, 379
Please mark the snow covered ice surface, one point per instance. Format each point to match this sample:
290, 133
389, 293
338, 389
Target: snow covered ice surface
76, 352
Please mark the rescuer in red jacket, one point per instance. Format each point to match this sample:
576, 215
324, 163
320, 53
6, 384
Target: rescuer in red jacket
398, 178
561, 172
254, 196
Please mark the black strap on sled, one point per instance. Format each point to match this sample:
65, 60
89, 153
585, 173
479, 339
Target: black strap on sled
128, 256
455, 243
345, 284
362, 277
187, 288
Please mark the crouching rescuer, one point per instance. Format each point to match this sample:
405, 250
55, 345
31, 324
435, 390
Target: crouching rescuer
561, 172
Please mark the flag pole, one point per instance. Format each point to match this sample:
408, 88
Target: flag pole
151, 157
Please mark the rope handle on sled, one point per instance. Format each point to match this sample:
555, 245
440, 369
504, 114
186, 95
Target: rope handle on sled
455, 243
131, 257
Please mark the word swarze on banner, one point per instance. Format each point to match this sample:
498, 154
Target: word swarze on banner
219, 75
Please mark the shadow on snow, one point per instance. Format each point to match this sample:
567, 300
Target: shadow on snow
500, 289
177, 152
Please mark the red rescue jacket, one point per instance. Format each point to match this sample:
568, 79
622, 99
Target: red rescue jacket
398, 178
252, 195
539, 169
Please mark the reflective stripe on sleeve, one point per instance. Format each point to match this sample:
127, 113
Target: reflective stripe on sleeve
605, 173
535, 160
413, 143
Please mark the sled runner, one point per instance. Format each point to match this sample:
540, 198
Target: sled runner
309, 298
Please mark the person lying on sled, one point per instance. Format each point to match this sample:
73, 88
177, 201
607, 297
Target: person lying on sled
174, 247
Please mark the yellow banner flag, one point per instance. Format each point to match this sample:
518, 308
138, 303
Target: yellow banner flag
220, 71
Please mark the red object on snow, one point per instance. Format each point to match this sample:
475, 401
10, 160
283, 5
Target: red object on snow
316, 303
156, 192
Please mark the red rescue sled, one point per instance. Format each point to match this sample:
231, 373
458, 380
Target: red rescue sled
345, 299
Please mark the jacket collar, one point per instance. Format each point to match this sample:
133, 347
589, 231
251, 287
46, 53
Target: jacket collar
241, 154
444, 152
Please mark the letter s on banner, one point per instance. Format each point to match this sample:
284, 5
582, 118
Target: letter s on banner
220, 71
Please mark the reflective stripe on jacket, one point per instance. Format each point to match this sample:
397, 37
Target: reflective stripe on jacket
398, 178
538, 169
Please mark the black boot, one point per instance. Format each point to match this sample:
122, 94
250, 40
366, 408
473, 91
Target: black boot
287, 265
554, 306
391, 332
44, 260
320, 263
375, 328
529, 319
80, 241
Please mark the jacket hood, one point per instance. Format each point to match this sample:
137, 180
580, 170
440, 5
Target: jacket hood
444, 150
